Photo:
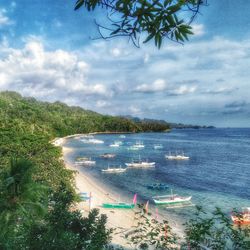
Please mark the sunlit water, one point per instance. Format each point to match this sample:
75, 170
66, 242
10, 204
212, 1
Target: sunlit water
216, 175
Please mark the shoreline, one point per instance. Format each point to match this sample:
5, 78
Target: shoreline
121, 219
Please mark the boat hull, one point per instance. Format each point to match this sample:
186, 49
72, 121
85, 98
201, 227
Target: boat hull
118, 205
171, 202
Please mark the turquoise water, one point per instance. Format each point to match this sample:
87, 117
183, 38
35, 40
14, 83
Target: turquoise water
216, 175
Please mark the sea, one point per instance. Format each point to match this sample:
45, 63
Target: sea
217, 173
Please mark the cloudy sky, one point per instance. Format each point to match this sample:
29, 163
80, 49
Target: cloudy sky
47, 51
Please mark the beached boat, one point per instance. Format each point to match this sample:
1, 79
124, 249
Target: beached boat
158, 146
242, 217
114, 170
171, 199
176, 156
118, 205
107, 155
140, 164
121, 204
158, 186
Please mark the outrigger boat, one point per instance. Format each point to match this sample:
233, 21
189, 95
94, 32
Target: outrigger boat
114, 170
84, 161
171, 199
121, 204
176, 156
242, 217
107, 155
140, 164
158, 146
158, 186
84, 196
116, 144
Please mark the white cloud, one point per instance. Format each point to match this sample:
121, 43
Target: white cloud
184, 89
4, 19
198, 29
35, 71
157, 86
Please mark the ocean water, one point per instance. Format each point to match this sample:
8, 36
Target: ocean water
216, 175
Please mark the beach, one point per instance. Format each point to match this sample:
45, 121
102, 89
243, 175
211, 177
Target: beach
121, 219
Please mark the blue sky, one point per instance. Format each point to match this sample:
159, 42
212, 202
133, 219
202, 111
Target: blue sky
46, 51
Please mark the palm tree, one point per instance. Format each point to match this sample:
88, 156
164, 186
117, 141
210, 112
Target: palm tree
21, 199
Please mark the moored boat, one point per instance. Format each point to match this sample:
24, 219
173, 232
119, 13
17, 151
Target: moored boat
140, 164
171, 199
107, 155
158, 146
158, 186
84, 161
116, 144
176, 156
114, 170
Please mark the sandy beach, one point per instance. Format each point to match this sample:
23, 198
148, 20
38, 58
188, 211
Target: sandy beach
121, 219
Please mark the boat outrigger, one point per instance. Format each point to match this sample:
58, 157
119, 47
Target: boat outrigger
171, 199
242, 217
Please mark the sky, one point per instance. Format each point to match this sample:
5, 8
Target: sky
49, 51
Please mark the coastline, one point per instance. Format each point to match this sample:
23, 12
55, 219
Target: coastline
121, 219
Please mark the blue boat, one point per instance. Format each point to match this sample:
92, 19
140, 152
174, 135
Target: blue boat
158, 186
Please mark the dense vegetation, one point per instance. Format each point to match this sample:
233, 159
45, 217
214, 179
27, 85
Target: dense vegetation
37, 197
33, 178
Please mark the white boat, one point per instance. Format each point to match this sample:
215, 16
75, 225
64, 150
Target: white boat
95, 141
138, 145
114, 170
171, 199
140, 164
133, 148
116, 144
122, 136
92, 141
84, 161
176, 156
158, 146
107, 155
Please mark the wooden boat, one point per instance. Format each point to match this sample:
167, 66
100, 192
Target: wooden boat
158, 146
171, 199
114, 170
107, 155
121, 204
84, 161
242, 217
118, 205
140, 164
176, 156
158, 186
